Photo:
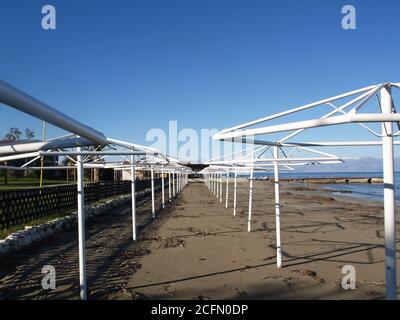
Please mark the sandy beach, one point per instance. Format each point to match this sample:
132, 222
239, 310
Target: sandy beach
197, 249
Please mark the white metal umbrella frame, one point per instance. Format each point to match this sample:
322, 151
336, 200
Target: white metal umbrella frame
81, 136
256, 160
349, 113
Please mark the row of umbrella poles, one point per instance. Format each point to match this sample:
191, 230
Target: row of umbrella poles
256, 159
149, 161
99, 150
177, 180
372, 109
217, 180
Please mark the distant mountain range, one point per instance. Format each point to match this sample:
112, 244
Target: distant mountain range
359, 165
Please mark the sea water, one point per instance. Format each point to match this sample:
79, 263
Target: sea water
367, 190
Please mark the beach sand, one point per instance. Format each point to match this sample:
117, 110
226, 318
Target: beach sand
197, 249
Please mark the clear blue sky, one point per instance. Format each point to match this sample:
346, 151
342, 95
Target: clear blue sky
125, 67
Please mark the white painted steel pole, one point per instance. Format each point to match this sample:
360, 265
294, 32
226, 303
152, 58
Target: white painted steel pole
217, 184
227, 190
250, 200
169, 186
162, 188
153, 210
173, 184
19, 100
220, 188
213, 184
389, 196
133, 193
277, 210
81, 227
234, 194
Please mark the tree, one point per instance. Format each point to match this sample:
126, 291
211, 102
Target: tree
29, 134
14, 134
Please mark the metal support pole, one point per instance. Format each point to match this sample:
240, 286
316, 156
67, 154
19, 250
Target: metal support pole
213, 183
234, 194
220, 187
277, 210
227, 190
133, 193
217, 184
81, 228
162, 188
153, 210
250, 200
169, 186
389, 196
178, 183
173, 184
